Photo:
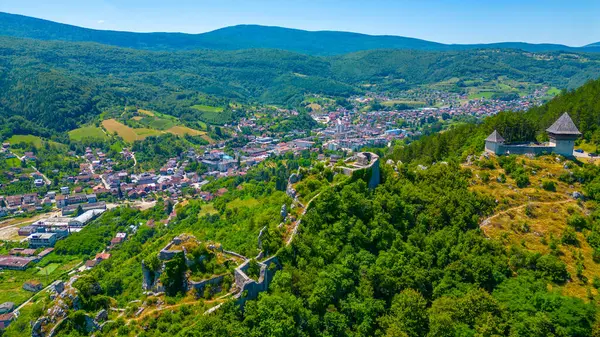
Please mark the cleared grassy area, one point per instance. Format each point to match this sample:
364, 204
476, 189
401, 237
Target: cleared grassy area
207, 108
28, 139
11, 281
207, 209
238, 203
553, 91
146, 112
13, 162
87, 132
128, 134
47, 270
184, 130
314, 106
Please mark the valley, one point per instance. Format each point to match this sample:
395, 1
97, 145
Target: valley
266, 181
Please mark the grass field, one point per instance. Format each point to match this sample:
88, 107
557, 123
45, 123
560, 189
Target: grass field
29, 139
146, 112
47, 270
11, 286
553, 91
87, 132
128, 134
207, 209
207, 108
132, 134
238, 203
13, 162
183, 130
155, 122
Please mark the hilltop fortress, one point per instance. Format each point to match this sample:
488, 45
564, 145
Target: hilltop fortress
562, 134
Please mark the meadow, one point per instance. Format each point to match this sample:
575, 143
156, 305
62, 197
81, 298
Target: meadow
92, 132
127, 133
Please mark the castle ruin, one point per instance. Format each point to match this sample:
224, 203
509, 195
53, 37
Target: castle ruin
562, 134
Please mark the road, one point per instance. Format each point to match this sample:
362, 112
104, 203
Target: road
46, 180
22, 158
106, 185
45, 289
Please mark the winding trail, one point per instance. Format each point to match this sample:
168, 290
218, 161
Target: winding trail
487, 221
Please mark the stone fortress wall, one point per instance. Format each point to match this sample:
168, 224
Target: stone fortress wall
364, 165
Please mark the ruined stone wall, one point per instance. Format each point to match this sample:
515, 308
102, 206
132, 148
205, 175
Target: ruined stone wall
200, 285
502, 149
249, 288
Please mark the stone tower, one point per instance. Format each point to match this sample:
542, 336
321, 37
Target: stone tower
563, 134
494, 142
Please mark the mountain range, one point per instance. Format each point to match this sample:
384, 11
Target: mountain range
249, 36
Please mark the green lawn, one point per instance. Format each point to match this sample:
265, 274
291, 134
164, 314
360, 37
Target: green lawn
13, 162
29, 139
87, 132
48, 269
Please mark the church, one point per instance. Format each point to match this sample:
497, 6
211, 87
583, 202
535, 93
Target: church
562, 134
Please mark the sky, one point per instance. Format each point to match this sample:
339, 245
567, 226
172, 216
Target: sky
570, 22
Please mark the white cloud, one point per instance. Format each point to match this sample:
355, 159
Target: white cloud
100, 22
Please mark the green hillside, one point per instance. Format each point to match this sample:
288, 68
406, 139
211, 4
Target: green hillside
61, 85
244, 37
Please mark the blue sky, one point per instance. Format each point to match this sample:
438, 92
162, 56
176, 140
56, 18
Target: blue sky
571, 22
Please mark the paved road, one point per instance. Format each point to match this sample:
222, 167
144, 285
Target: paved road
45, 289
46, 180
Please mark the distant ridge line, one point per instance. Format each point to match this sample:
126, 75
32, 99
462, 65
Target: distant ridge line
318, 43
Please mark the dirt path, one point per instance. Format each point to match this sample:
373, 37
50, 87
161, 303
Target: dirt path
295, 229
146, 313
487, 221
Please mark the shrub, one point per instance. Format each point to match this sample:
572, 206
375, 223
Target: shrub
522, 180
569, 237
549, 185
577, 221
553, 268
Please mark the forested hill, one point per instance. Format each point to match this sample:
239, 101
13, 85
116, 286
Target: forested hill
245, 37
62, 84
582, 104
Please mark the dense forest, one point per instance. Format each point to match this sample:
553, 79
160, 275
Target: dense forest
59, 85
245, 37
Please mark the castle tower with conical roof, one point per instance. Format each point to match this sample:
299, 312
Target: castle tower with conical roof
493, 142
563, 134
